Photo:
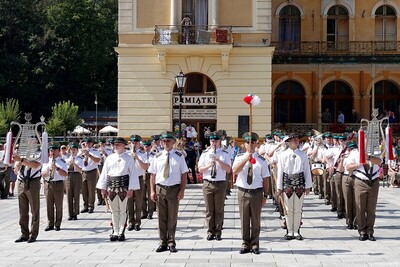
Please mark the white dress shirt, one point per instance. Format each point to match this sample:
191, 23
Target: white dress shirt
205, 159
260, 171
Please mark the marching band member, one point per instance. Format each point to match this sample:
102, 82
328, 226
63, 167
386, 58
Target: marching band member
117, 182
348, 187
366, 188
394, 167
293, 182
214, 163
74, 181
252, 173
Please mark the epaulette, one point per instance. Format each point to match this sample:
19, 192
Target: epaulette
239, 154
208, 148
261, 157
158, 154
152, 153
223, 150
178, 153
63, 160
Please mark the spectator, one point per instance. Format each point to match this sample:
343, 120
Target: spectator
326, 116
355, 117
340, 118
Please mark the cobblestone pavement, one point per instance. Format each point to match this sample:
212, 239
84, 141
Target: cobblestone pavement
85, 242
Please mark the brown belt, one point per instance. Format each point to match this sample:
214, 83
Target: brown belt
214, 182
168, 186
251, 191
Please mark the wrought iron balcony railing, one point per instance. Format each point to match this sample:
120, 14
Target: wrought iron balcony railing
336, 48
193, 34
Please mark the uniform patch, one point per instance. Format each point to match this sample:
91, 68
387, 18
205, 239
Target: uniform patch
178, 153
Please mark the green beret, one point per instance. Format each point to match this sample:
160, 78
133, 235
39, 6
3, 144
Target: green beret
292, 135
156, 137
327, 134
102, 140
119, 140
54, 146
215, 135
268, 136
110, 140
74, 145
246, 136
88, 140
135, 137
168, 135
146, 142
352, 144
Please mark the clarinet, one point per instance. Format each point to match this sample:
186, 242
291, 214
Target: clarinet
214, 166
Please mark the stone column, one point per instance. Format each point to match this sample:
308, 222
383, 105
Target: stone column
176, 12
213, 12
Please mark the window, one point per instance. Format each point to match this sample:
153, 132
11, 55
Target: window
289, 28
337, 32
289, 103
337, 96
387, 97
385, 28
197, 10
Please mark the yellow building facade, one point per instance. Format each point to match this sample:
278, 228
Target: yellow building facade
223, 51
334, 56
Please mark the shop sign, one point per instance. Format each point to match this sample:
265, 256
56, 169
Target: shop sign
188, 100
198, 114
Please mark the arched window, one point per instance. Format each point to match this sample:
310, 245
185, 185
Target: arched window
387, 97
290, 103
337, 96
385, 28
289, 27
337, 32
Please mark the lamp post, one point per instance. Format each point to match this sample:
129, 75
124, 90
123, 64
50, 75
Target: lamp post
180, 84
95, 102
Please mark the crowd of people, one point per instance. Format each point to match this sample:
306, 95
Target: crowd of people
137, 178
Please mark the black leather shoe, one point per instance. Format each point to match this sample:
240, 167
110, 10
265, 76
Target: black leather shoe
350, 227
84, 210
355, 227
70, 218
113, 237
130, 227
121, 237
244, 251
90, 211
150, 217
21, 239
31, 240
277, 209
298, 237
371, 237
173, 249
320, 196
341, 216
137, 228
161, 248
333, 209
144, 216
58, 228
210, 237
49, 228
218, 237
288, 237
255, 251
363, 237
75, 218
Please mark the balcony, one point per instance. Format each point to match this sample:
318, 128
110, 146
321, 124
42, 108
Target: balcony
373, 48
192, 35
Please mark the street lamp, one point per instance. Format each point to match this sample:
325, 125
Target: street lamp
95, 102
180, 84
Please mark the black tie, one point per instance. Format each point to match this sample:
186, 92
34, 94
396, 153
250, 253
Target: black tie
250, 175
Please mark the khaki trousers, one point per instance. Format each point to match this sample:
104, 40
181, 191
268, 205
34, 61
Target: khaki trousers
73, 186
349, 199
29, 198
250, 217
327, 186
54, 199
89, 188
148, 205
167, 210
339, 193
333, 191
214, 198
135, 205
366, 198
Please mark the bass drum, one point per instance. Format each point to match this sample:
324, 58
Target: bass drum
317, 168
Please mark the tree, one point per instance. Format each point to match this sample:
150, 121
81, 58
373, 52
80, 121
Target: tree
9, 111
64, 118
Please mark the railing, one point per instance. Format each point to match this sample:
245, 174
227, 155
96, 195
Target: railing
336, 48
193, 34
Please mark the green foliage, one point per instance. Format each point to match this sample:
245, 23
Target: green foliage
64, 118
9, 111
58, 50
